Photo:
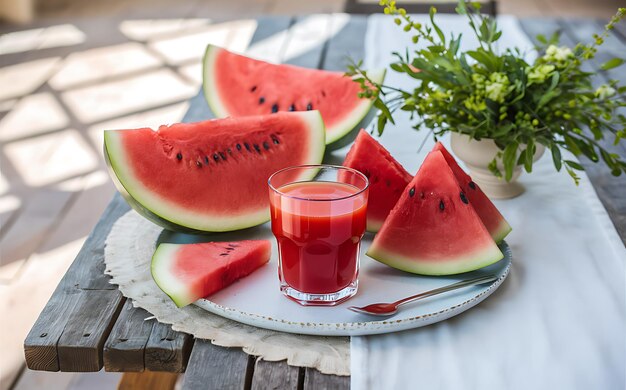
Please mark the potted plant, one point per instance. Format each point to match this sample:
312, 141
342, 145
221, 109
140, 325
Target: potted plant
501, 110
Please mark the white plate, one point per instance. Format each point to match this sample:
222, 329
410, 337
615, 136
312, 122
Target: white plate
256, 300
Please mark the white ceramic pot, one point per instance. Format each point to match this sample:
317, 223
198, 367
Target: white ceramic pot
477, 155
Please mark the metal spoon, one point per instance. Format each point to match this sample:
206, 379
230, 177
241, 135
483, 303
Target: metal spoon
389, 309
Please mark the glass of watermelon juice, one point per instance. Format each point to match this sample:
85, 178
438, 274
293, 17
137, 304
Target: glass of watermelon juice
318, 217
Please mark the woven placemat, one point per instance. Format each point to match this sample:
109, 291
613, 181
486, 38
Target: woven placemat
127, 254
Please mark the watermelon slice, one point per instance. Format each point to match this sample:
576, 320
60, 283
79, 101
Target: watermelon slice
235, 85
433, 229
210, 176
387, 177
495, 223
188, 272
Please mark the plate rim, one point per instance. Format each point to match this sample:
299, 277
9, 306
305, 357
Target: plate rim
360, 327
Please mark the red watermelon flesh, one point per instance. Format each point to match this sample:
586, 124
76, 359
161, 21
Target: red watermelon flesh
236, 85
386, 176
188, 272
495, 223
433, 229
211, 175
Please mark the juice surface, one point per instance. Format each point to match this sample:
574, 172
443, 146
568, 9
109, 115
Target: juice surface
318, 238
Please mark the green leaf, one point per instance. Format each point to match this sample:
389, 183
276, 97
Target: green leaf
529, 154
572, 146
442, 38
575, 165
612, 63
508, 159
556, 156
542, 39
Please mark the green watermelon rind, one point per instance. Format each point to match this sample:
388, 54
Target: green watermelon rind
360, 116
503, 230
160, 267
176, 218
437, 267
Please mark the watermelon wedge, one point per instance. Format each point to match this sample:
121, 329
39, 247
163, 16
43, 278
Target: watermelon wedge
236, 85
210, 176
387, 177
495, 223
433, 229
188, 272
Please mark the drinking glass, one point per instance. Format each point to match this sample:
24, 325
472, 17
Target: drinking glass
318, 215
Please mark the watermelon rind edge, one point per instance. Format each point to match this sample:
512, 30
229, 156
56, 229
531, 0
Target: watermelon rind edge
160, 268
176, 221
346, 131
470, 262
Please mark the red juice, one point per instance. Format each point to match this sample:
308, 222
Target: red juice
318, 226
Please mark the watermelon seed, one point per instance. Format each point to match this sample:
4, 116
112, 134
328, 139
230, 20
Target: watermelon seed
388, 183
422, 195
261, 100
216, 157
223, 156
275, 108
247, 146
463, 198
275, 140
199, 163
309, 107
266, 145
229, 151
257, 148
441, 205
324, 93
292, 107
253, 88
223, 254
206, 159
238, 146
472, 185
412, 192
179, 156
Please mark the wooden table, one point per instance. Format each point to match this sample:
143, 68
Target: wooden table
88, 324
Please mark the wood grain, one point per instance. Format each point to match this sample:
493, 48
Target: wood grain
40, 346
275, 375
80, 346
315, 380
213, 367
125, 346
167, 350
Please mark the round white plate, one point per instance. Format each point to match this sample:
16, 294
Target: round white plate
256, 299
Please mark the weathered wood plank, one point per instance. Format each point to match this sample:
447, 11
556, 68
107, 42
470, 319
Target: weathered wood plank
80, 346
343, 46
307, 40
315, 380
213, 367
41, 343
167, 350
148, 381
126, 344
276, 375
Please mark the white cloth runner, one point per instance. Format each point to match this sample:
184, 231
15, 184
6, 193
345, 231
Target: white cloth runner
558, 322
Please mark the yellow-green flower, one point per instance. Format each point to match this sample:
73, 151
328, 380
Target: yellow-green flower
539, 73
475, 103
558, 54
605, 91
497, 87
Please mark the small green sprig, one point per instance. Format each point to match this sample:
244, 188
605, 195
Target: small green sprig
500, 96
